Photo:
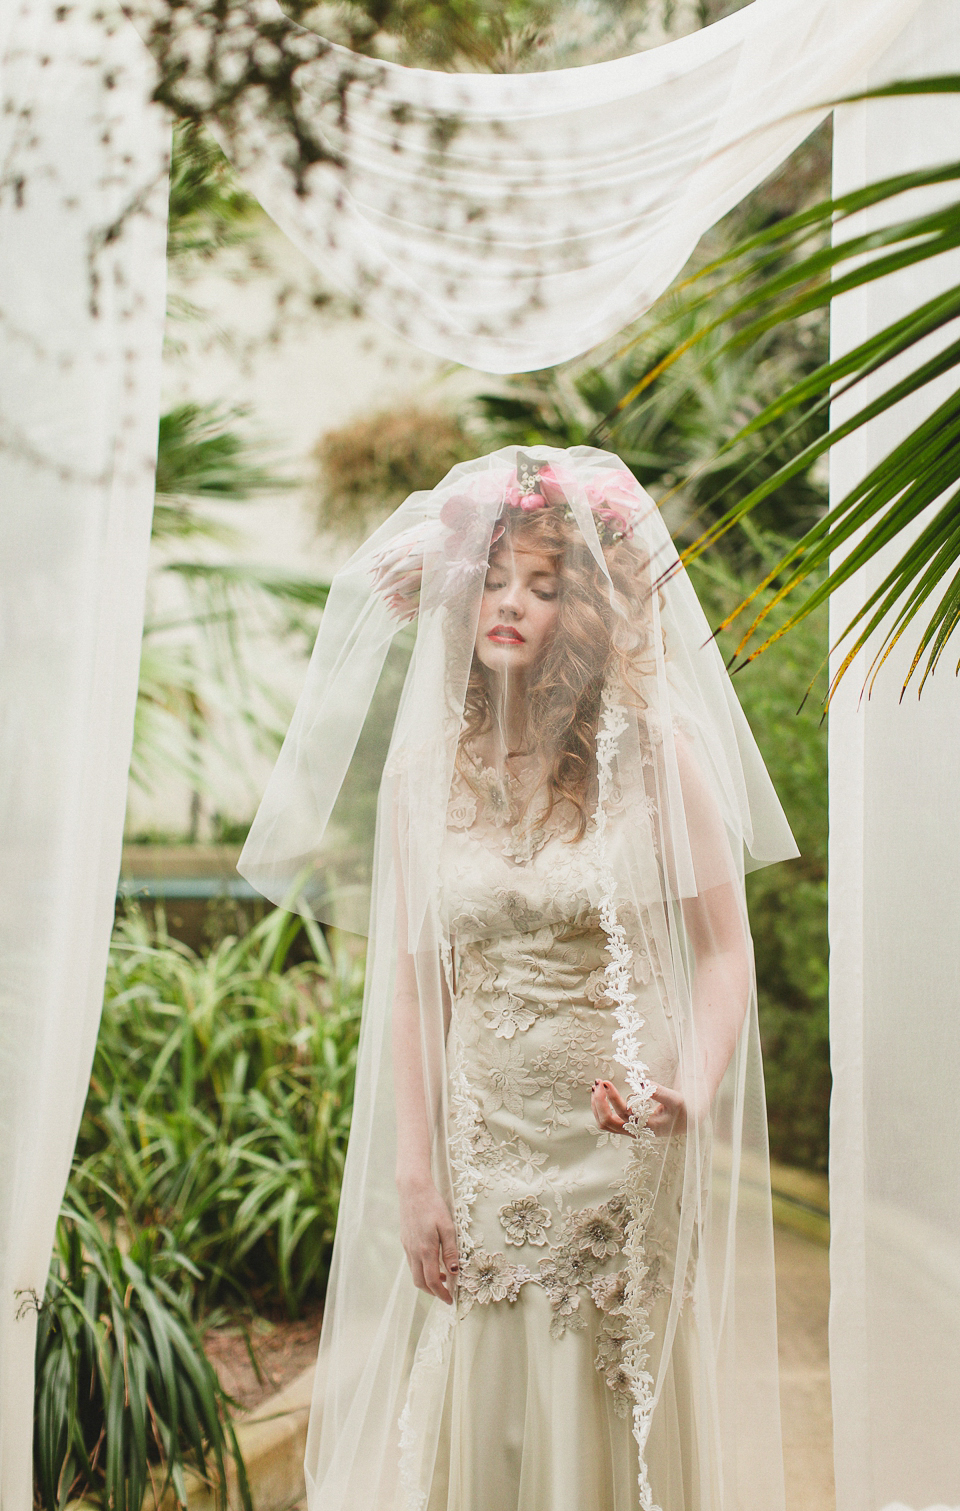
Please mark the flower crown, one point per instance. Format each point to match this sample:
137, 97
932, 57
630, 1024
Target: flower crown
614, 498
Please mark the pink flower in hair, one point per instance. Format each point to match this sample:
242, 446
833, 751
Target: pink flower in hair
615, 499
556, 486
514, 499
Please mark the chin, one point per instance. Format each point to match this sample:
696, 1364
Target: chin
499, 657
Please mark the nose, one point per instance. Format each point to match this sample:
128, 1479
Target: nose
511, 604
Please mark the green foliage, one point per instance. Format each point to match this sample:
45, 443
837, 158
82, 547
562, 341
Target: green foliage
220, 1104
784, 274
201, 456
124, 1395
204, 458
676, 435
788, 902
208, 210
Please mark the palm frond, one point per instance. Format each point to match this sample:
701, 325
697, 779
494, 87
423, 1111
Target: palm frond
208, 209
286, 586
757, 289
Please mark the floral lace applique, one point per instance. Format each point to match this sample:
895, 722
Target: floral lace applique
462, 808
569, 1064
504, 1075
613, 1296
609, 1294
509, 1015
526, 838
588, 1239
595, 988
494, 794
489, 1277
524, 1220
526, 919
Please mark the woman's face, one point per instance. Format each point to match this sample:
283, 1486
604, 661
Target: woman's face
519, 610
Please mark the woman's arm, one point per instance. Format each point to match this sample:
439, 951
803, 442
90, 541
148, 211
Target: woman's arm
716, 931
721, 990
426, 1228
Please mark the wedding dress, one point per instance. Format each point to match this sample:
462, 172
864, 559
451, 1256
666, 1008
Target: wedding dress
537, 1404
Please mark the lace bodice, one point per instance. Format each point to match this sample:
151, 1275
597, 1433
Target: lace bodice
505, 872
540, 1191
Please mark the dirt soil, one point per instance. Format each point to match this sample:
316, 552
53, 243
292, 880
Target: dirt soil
254, 1358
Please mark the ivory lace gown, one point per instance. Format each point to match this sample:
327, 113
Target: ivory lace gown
535, 1406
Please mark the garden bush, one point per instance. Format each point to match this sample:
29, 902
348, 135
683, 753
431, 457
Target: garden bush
124, 1396
219, 1106
788, 902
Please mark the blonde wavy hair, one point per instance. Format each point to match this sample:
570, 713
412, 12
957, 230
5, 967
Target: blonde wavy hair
604, 630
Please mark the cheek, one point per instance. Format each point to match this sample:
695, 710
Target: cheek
546, 621
488, 614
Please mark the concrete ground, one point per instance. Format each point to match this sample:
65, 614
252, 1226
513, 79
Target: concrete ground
803, 1296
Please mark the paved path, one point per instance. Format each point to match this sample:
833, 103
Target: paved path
803, 1296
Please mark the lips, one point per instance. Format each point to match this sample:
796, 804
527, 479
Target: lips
504, 635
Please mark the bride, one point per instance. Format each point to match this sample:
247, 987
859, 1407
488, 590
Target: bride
552, 1281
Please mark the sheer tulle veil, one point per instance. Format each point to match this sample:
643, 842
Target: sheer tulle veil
675, 808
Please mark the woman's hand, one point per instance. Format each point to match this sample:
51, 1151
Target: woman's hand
429, 1239
669, 1114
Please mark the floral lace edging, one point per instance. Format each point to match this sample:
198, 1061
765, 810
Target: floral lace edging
635, 1309
425, 1376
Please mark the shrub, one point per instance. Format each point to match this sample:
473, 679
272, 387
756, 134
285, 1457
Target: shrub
124, 1394
370, 466
220, 1104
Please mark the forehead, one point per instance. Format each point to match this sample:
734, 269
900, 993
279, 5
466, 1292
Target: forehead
529, 563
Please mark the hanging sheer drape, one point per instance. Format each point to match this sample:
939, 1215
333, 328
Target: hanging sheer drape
510, 222
895, 927
82, 239
589, 199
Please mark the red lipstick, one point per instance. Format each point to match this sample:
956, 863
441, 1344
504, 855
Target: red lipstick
505, 634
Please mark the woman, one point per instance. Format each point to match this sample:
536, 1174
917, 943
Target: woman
560, 1052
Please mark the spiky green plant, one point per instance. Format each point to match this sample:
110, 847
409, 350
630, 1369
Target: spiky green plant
220, 1103
782, 275
125, 1398
677, 434
196, 659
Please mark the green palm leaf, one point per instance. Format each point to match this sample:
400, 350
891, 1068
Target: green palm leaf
777, 276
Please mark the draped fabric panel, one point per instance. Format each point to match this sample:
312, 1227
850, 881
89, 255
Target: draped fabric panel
510, 222
895, 925
82, 244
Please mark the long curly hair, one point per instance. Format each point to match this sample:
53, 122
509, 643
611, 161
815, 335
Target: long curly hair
604, 628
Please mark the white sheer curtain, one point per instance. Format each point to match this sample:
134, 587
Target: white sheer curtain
82, 242
895, 930
592, 186
559, 205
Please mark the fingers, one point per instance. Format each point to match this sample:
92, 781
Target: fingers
609, 1108
611, 1111
434, 1262
668, 1114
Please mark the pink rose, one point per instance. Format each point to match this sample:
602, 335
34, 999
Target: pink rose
556, 487
614, 498
458, 511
